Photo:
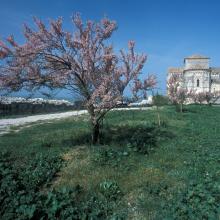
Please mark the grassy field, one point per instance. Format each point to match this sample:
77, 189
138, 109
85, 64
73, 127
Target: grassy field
139, 171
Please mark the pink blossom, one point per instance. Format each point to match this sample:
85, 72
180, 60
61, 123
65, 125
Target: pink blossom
80, 61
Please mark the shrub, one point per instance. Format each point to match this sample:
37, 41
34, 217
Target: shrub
160, 100
139, 138
110, 189
143, 139
110, 157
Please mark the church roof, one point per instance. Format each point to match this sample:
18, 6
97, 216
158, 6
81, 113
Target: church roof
215, 69
196, 56
175, 70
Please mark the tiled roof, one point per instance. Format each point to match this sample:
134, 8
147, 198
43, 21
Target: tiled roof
175, 70
215, 69
196, 56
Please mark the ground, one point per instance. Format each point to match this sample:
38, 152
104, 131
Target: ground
141, 170
16, 122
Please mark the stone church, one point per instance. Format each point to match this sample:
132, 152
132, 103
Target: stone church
197, 75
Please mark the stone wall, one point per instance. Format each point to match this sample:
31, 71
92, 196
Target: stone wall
196, 63
192, 76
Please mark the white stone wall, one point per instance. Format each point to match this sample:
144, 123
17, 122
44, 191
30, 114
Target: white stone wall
196, 63
192, 76
197, 68
215, 87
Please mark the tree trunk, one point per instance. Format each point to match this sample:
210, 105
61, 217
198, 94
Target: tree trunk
181, 107
95, 125
95, 132
177, 107
158, 116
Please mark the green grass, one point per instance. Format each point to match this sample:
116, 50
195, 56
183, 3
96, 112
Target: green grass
187, 149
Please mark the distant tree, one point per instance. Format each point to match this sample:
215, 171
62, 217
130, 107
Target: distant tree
204, 97
208, 96
158, 101
140, 88
173, 84
193, 96
200, 97
81, 61
215, 97
211, 97
176, 93
182, 95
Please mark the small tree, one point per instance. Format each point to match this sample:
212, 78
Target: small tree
181, 96
158, 101
176, 93
200, 97
208, 96
172, 87
193, 96
80, 61
215, 97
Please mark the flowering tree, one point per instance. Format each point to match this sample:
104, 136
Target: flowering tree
193, 96
176, 93
181, 96
215, 97
79, 61
208, 97
211, 97
200, 97
140, 88
173, 84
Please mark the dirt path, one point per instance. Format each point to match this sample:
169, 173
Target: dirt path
5, 124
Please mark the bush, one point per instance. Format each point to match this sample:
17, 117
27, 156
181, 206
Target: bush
110, 157
110, 189
139, 138
142, 140
160, 100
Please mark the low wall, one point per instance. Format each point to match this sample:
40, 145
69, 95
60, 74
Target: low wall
29, 108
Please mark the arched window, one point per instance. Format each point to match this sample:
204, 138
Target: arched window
197, 82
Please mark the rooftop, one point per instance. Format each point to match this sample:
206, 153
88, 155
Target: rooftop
215, 69
196, 56
175, 70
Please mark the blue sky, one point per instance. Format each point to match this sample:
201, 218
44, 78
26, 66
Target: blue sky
166, 30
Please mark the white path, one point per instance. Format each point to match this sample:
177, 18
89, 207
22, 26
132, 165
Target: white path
5, 124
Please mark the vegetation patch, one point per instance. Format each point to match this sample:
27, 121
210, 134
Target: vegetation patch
139, 171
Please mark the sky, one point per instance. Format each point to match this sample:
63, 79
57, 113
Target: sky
165, 30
